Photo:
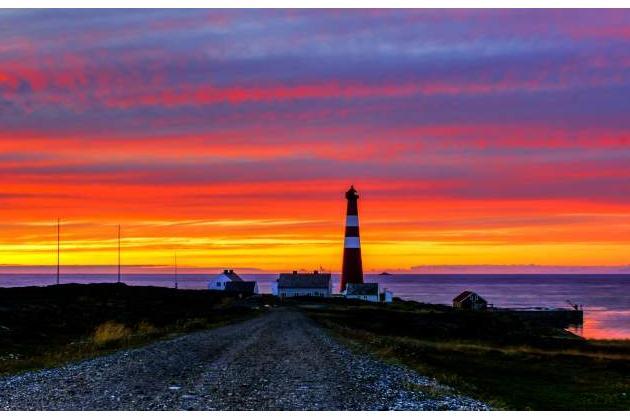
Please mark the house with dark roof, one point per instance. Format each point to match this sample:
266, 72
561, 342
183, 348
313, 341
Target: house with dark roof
243, 288
229, 281
363, 291
471, 301
296, 284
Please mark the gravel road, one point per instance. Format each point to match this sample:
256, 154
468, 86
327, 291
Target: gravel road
279, 361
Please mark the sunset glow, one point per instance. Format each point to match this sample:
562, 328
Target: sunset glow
473, 137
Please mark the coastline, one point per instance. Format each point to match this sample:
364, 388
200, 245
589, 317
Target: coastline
606, 305
492, 356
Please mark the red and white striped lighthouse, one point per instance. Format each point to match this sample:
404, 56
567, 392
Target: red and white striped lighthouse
352, 271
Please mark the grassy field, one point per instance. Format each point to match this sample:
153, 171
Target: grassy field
510, 363
48, 326
497, 358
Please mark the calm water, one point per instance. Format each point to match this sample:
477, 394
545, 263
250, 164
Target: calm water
606, 298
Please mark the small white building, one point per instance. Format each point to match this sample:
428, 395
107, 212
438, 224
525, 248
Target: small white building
296, 284
368, 292
232, 282
387, 296
362, 291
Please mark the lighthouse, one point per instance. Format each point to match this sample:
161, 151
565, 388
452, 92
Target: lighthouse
352, 271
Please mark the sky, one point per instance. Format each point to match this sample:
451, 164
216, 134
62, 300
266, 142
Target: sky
474, 137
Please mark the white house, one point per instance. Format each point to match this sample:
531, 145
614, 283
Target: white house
362, 291
368, 292
303, 284
232, 282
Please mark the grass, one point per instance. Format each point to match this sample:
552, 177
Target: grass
42, 327
107, 337
505, 362
111, 331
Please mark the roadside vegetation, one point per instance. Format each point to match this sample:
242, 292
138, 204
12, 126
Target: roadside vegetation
494, 357
509, 363
44, 327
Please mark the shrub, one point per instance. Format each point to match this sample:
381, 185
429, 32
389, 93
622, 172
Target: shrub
110, 331
146, 328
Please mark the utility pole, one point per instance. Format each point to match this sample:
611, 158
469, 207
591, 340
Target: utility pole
175, 269
58, 247
118, 253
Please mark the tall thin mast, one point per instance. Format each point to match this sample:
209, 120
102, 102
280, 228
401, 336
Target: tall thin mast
175, 269
118, 253
58, 249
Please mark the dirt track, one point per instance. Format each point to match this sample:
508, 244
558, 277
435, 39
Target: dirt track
279, 361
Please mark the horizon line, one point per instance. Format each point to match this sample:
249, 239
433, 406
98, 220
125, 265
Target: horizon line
425, 269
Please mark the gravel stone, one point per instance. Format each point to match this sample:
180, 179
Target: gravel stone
279, 361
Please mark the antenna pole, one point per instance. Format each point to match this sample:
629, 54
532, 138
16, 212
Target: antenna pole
118, 253
58, 248
176, 269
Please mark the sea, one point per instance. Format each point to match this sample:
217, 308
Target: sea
605, 298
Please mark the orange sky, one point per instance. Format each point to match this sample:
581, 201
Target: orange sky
474, 137
252, 225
